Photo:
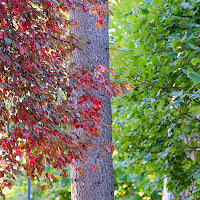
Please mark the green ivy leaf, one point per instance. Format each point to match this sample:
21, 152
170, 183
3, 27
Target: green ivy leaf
194, 61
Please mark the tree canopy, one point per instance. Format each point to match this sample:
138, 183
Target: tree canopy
36, 108
155, 46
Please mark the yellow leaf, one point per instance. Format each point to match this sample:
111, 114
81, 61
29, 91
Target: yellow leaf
82, 38
97, 166
4, 165
81, 171
129, 87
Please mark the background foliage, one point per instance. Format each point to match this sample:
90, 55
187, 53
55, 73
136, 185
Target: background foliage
59, 190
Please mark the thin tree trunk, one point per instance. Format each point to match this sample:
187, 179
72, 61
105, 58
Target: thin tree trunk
184, 194
181, 196
93, 184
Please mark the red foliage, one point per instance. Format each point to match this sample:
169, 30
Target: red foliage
36, 110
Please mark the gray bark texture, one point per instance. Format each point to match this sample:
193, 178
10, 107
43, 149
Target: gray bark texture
184, 194
181, 196
93, 184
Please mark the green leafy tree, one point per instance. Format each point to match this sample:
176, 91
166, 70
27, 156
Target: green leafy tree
155, 46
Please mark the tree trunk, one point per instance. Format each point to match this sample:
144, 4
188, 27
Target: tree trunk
184, 194
93, 184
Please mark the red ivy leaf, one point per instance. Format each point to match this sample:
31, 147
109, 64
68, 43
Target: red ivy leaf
93, 167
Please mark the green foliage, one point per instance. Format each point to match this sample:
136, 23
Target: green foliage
132, 187
155, 47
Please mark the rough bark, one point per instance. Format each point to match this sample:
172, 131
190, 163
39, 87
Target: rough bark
93, 184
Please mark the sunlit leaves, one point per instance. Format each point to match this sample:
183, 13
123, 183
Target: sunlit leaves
36, 107
159, 54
